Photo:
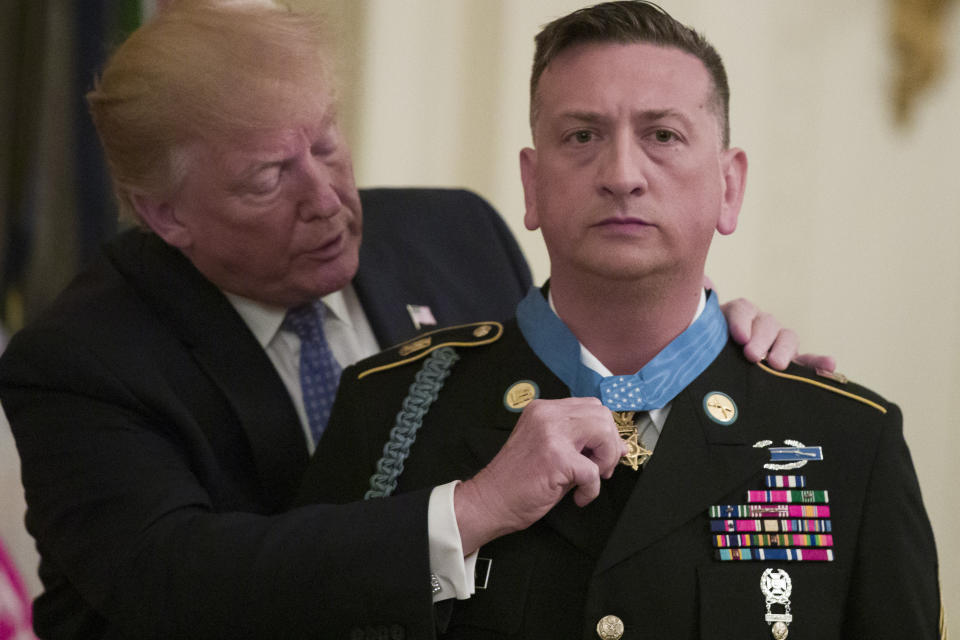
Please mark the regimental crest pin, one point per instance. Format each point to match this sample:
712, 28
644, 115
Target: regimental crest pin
776, 586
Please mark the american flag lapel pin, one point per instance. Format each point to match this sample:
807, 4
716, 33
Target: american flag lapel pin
421, 316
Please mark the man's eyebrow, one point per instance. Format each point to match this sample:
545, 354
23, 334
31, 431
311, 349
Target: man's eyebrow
653, 115
240, 181
253, 168
278, 157
648, 115
587, 117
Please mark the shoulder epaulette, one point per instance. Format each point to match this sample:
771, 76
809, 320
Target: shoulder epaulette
837, 378
465, 335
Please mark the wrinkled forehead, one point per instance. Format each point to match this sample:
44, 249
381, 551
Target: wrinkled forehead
270, 102
277, 131
611, 75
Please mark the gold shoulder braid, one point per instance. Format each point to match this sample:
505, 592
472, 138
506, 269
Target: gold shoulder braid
474, 334
822, 385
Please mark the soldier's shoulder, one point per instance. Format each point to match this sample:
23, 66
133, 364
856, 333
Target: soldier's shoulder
826, 386
397, 357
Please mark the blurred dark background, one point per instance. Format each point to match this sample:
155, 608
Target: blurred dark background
56, 204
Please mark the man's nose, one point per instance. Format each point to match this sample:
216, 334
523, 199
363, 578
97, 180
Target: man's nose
623, 167
319, 197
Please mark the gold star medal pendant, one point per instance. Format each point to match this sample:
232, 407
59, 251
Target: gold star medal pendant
627, 426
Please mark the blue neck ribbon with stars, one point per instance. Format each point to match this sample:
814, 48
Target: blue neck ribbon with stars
653, 387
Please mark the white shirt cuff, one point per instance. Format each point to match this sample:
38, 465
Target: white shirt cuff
454, 573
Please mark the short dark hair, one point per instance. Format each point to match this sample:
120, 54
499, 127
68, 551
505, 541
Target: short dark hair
624, 22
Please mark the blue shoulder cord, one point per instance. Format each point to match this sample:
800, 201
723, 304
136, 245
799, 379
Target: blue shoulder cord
424, 390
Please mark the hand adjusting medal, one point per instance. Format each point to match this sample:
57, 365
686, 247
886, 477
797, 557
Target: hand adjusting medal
636, 454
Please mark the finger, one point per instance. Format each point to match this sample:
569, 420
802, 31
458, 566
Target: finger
540, 414
606, 447
586, 477
815, 361
784, 350
606, 452
740, 314
766, 331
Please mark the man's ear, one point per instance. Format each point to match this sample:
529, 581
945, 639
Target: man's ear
733, 167
528, 171
161, 216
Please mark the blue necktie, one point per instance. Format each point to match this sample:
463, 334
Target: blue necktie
319, 371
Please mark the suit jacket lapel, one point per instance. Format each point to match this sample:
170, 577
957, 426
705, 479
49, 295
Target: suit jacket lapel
385, 311
384, 275
204, 320
696, 462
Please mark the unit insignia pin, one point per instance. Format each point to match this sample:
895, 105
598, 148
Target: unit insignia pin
720, 408
636, 453
777, 587
520, 394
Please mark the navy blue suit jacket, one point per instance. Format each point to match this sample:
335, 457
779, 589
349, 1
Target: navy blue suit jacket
446, 249
160, 450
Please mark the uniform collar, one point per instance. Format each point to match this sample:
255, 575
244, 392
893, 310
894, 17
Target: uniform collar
653, 386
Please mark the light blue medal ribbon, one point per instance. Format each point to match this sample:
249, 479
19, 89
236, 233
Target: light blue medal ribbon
654, 386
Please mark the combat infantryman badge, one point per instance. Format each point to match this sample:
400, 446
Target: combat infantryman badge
636, 454
776, 587
793, 456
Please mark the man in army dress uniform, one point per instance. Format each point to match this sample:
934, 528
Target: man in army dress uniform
750, 503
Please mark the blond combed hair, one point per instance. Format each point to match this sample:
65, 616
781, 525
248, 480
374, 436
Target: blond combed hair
203, 69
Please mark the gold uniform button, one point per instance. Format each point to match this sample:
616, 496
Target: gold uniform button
416, 345
482, 330
836, 376
610, 628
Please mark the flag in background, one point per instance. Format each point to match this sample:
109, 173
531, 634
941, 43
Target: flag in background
56, 204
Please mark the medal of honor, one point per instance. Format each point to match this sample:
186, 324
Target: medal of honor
777, 587
636, 454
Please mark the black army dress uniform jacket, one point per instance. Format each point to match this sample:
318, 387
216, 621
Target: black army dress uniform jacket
158, 442
652, 563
